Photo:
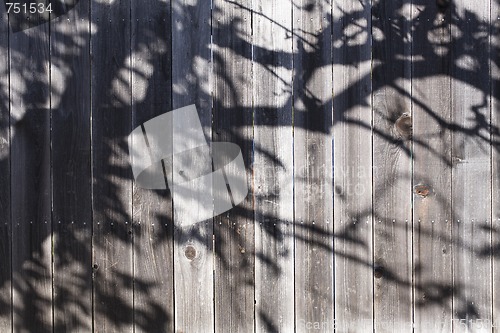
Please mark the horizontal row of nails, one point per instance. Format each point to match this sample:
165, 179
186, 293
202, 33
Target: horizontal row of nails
282, 222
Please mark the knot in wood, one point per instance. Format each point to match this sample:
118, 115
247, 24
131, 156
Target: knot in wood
378, 271
403, 126
190, 252
422, 190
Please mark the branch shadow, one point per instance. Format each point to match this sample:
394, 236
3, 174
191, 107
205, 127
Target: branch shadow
235, 250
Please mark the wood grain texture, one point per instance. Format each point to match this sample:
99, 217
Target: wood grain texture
471, 169
392, 173
193, 243
5, 221
273, 167
152, 209
494, 63
352, 165
370, 131
232, 122
71, 170
313, 165
31, 180
112, 185
433, 289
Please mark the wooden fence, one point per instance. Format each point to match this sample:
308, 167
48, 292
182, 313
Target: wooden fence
370, 131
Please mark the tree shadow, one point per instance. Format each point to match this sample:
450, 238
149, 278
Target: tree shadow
30, 133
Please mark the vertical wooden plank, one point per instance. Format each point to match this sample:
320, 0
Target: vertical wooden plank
72, 197
392, 191
471, 169
193, 243
30, 179
313, 169
5, 222
352, 165
152, 209
233, 117
495, 150
273, 166
432, 214
112, 186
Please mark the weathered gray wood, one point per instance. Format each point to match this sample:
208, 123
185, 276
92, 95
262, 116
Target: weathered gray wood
5, 222
392, 191
71, 185
471, 169
152, 209
272, 90
30, 180
313, 170
234, 230
273, 166
112, 185
193, 243
495, 149
352, 165
432, 170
